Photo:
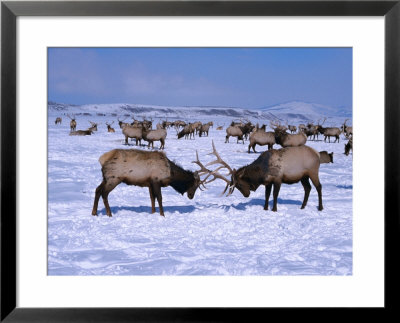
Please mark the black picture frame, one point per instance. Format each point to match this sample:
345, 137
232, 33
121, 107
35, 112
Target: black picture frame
10, 10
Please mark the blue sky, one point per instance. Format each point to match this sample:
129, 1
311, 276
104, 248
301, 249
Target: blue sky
235, 77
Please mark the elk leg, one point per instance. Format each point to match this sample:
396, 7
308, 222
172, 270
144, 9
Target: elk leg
307, 188
267, 194
153, 200
277, 187
318, 186
99, 191
157, 193
108, 187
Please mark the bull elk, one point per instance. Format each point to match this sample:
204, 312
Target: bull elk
93, 126
348, 131
58, 120
330, 132
150, 169
109, 128
72, 123
273, 167
122, 124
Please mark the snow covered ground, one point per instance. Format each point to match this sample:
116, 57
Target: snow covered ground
209, 235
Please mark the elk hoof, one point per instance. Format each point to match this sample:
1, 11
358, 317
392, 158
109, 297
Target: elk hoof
320, 208
274, 209
109, 215
94, 213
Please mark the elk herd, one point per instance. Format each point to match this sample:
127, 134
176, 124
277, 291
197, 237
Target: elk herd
292, 162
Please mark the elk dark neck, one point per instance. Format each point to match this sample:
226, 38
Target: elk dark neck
254, 173
181, 179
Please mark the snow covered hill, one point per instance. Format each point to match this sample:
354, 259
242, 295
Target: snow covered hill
295, 111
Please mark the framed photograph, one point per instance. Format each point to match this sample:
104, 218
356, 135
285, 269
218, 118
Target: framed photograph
147, 148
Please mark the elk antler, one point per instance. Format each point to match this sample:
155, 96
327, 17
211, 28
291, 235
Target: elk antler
203, 170
215, 172
219, 159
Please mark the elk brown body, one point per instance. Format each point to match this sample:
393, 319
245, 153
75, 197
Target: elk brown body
262, 138
325, 157
155, 135
132, 132
150, 169
81, 132
274, 167
234, 131
330, 132
289, 140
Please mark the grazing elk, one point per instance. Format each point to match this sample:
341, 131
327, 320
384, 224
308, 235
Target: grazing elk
109, 128
325, 157
150, 169
72, 123
288, 140
132, 132
58, 120
205, 128
348, 146
273, 167
155, 135
196, 126
187, 132
247, 128
166, 124
311, 130
262, 138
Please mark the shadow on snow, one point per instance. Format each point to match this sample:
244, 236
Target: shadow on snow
147, 209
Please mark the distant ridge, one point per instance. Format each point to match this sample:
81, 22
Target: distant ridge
295, 110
